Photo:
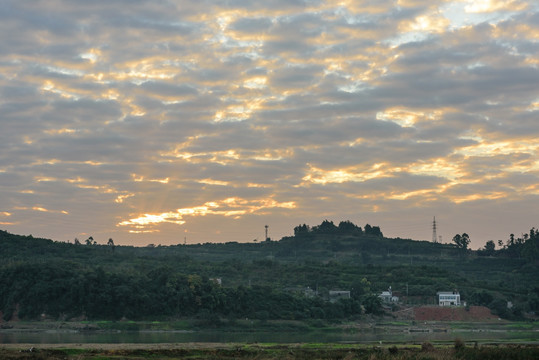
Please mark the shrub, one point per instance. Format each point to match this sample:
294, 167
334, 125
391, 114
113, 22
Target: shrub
427, 347
459, 344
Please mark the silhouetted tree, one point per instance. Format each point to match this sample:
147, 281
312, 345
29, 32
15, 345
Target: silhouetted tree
462, 241
326, 227
347, 227
490, 248
111, 244
301, 229
373, 230
530, 249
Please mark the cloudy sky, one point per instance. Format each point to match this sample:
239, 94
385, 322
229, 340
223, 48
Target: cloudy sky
165, 121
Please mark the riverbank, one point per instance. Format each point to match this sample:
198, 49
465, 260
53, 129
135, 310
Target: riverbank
310, 351
278, 332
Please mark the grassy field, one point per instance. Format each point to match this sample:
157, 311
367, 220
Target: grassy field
457, 350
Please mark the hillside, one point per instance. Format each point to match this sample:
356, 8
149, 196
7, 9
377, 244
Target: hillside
40, 277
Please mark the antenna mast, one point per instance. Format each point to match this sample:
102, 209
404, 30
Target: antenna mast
434, 237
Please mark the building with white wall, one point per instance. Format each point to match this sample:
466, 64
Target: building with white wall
448, 298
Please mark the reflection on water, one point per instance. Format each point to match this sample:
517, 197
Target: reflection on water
262, 337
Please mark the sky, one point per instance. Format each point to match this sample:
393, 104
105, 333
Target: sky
171, 122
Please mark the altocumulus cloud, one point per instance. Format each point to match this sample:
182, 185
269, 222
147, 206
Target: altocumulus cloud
149, 122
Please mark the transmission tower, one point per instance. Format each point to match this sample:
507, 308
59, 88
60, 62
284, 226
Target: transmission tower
434, 237
266, 226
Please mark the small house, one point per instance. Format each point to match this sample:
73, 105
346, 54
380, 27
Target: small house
448, 298
387, 297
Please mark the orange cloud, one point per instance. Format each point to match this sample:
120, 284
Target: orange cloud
483, 6
230, 207
322, 177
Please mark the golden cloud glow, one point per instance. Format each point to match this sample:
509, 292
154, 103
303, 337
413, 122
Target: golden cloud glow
485, 148
162, 181
409, 118
225, 157
400, 117
438, 167
322, 177
53, 88
144, 231
93, 163
409, 194
523, 167
91, 55
237, 79
360, 7
481, 6
60, 131
41, 209
253, 185
482, 196
214, 182
433, 23
534, 106
44, 179
230, 207
255, 83
241, 112
120, 198
140, 178
145, 69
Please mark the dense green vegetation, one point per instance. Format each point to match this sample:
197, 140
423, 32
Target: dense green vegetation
287, 279
459, 350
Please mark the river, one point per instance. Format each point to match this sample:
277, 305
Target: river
153, 337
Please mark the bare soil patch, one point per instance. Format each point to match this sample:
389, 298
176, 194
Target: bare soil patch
438, 313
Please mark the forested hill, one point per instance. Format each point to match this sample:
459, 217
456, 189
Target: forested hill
260, 280
346, 242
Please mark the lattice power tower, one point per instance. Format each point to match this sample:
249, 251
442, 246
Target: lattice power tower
434, 237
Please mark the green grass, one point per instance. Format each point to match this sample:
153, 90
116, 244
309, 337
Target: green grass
395, 323
73, 352
322, 351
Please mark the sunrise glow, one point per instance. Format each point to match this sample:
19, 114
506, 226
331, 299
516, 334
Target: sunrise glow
221, 118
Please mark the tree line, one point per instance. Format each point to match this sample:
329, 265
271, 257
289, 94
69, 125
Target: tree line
61, 280
344, 228
65, 290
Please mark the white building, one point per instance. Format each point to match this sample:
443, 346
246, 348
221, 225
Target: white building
387, 296
448, 298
